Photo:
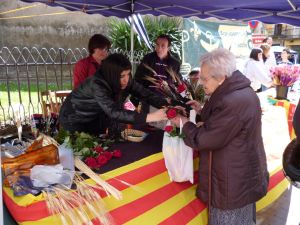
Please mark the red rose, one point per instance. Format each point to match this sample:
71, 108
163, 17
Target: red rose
91, 162
169, 128
117, 153
108, 155
171, 113
101, 159
181, 88
98, 149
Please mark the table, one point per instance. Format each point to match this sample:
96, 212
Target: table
152, 198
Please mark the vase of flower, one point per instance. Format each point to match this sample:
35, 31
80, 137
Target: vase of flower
284, 76
281, 92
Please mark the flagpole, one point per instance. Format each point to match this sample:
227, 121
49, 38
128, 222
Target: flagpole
131, 33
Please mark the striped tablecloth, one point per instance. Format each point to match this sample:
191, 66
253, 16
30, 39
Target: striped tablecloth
151, 198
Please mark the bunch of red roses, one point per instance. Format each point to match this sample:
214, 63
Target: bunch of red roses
172, 130
101, 157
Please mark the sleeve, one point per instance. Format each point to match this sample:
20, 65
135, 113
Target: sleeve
261, 74
112, 110
296, 121
216, 132
177, 69
142, 71
79, 74
138, 91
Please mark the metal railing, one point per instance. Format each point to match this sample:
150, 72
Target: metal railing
26, 72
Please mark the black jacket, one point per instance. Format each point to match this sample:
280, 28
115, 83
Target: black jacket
158, 65
94, 98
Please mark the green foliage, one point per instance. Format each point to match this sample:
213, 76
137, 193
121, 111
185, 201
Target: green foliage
61, 135
120, 33
82, 143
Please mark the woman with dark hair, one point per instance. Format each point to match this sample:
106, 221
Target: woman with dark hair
98, 102
256, 71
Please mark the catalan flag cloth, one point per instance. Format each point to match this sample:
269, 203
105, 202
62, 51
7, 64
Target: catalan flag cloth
151, 197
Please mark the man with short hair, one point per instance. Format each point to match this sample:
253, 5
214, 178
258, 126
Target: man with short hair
160, 60
98, 47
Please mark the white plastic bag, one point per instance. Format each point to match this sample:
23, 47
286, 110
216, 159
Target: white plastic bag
178, 158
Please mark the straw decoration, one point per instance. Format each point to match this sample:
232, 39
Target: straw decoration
77, 207
106, 186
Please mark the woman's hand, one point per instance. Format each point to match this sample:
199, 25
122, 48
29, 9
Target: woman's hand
157, 115
195, 105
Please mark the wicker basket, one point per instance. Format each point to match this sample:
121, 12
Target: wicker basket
133, 135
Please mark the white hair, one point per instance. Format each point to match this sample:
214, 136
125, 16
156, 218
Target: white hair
221, 62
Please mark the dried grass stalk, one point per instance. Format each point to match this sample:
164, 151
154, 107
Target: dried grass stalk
106, 186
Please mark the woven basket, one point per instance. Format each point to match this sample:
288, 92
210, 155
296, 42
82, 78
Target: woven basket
133, 135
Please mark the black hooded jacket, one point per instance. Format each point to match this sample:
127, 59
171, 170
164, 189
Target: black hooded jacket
95, 98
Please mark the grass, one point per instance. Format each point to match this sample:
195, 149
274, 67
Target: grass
30, 101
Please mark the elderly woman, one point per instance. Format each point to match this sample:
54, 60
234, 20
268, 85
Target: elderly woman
97, 104
232, 169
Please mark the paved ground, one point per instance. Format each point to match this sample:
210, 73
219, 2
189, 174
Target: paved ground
284, 211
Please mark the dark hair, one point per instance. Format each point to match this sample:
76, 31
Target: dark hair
286, 50
111, 69
254, 53
98, 41
165, 36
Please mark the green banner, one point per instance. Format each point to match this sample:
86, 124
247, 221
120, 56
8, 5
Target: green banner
201, 36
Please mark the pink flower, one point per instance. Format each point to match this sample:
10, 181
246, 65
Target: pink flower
169, 128
181, 88
91, 162
117, 153
101, 159
171, 113
108, 155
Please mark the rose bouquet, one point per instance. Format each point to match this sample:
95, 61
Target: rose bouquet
285, 75
172, 130
93, 151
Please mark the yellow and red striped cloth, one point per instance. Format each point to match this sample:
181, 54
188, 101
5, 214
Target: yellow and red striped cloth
290, 110
151, 198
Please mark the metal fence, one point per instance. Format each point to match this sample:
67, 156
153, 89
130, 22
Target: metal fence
26, 72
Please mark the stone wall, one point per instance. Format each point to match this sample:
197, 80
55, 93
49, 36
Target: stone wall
67, 29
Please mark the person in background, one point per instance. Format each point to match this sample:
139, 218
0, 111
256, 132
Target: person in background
98, 47
196, 85
232, 164
285, 54
271, 60
265, 53
98, 103
256, 71
160, 61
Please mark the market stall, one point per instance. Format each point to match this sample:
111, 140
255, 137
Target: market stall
149, 197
